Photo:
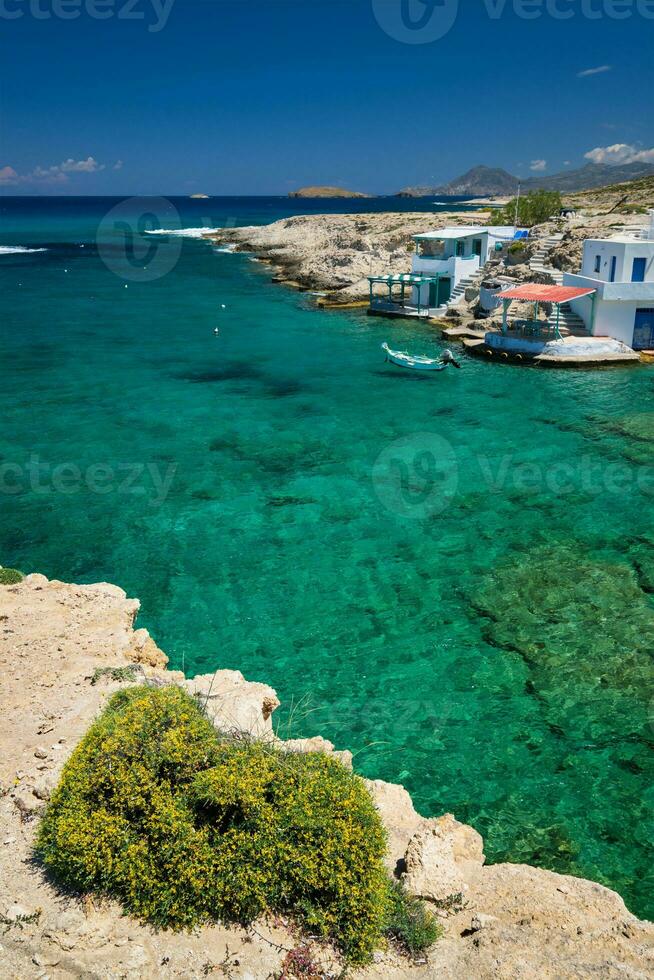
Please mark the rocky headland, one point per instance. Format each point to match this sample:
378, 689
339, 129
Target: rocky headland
335, 253
64, 649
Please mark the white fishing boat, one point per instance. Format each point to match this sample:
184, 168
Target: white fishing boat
418, 362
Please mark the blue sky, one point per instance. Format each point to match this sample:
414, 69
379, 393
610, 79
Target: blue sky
261, 96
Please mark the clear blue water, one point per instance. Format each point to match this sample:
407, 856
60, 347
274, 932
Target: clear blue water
450, 575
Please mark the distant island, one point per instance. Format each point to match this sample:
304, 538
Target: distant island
484, 181
325, 192
199, 197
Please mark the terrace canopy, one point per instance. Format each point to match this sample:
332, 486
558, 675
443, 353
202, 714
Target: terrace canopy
403, 280
535, 293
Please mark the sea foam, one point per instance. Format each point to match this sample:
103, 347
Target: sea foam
18, 249
184, 232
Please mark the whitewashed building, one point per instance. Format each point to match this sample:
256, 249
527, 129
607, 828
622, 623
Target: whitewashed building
621, 271
443, 262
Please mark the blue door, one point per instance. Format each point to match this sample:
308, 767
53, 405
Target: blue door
644, 330
638, 270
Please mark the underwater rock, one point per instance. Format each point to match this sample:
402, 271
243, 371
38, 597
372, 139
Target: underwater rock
585, 628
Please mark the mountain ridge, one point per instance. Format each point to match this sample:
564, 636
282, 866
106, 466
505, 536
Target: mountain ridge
484, 181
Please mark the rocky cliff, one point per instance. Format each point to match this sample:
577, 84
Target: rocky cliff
64, 649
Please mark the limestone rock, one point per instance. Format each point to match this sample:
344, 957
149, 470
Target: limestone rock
15, 911
144, 650
550, 926
482, 921
399, 816
443, 859
234, 704
519, 923
27, 805
44, 786
317, 744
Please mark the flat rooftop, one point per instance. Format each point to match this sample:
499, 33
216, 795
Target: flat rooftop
445, 233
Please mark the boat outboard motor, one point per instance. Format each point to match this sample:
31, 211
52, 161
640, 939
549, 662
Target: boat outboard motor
448, 357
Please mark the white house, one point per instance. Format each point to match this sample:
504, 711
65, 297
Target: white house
443, 260
621, 271
452, 255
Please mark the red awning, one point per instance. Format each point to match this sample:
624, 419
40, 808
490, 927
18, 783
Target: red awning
531, 292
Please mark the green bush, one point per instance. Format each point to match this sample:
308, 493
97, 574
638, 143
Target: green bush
410, 923
183, 827
517, 247
10, 576
533, 209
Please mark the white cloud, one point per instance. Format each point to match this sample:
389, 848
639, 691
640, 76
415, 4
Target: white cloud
594, 71
567, 163
620, 153
87, 166
57, 174
538, 165
53, 175
8, 175
118, 165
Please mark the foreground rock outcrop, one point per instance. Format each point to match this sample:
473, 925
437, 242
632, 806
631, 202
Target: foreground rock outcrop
64, 649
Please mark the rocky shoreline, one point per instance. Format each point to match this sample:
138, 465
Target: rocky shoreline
334, 254
65, 649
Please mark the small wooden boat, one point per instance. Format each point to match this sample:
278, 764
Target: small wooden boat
417, 362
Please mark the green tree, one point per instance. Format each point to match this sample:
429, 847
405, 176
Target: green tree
532, 208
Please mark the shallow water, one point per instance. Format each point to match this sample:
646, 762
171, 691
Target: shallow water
451, 575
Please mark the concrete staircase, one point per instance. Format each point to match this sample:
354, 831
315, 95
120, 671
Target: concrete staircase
537, 262
458, 292
570, 323
460, 288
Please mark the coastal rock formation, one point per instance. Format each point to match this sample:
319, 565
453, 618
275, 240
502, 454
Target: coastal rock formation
337, 252
234, 704
64, 649
445, 858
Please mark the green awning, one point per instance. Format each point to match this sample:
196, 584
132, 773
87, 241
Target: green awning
406, 279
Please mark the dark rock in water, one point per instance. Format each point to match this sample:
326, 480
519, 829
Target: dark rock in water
288, 501
585, 627
240, 371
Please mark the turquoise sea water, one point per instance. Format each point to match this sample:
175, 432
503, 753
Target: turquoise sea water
450, 575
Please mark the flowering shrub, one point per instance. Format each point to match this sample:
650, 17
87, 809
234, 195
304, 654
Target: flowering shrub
185, 827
